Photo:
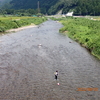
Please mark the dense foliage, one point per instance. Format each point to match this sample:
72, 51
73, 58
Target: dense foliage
15, 22
44, 5
85, 31
87, 7
20, 12
3, 2
79, 7
64, 5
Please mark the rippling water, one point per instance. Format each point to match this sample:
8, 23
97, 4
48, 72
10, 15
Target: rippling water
29, 58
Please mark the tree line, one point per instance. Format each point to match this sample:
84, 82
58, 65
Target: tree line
79, 7
87, 7
51, 7
20, 12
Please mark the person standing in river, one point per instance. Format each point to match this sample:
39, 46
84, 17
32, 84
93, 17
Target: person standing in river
56, 75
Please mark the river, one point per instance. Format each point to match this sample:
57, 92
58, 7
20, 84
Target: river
29, 58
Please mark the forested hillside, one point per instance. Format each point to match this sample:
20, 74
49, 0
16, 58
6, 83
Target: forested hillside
79, 7
26, 4
87, 7
64, 5
3, 2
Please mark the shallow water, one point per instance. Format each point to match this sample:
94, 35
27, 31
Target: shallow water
29, 58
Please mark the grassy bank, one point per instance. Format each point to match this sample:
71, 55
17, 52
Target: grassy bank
7, 23
85, 31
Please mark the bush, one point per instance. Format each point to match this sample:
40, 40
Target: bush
2, 29
23, 21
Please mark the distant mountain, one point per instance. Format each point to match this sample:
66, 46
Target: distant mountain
87, 7
79, 7
3, 2
64, 5
44, 5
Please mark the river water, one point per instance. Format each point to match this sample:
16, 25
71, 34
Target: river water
29, 58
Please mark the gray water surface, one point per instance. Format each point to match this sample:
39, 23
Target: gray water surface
27, 69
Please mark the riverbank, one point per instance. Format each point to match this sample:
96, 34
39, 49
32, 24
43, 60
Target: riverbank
21, 28
12, 24
27, 69
84, 31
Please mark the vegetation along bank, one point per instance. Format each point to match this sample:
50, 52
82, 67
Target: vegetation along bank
7, 23
85, 31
